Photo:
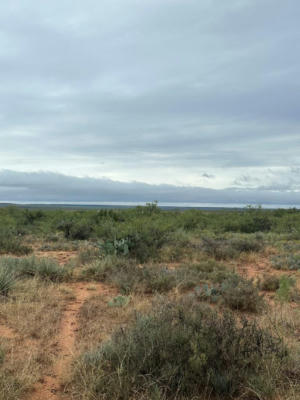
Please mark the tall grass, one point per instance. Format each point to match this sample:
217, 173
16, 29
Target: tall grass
43, 268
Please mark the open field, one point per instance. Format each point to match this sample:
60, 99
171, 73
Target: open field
149, 304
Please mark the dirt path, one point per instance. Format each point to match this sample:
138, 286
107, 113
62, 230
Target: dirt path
50, 387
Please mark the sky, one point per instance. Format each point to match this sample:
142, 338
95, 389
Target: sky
128, 100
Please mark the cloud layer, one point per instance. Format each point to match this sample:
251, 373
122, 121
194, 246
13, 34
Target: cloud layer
186, 93
52, 187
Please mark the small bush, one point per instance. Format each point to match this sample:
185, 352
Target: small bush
210, 270
11, 243
75, 230
289, 262
180, 351
144, 238
235, 292
48, 269
269, 283
130, 277
222, 249
286, 288
241, 294
88, 255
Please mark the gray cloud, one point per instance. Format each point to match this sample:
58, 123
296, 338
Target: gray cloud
48, 186
154, 91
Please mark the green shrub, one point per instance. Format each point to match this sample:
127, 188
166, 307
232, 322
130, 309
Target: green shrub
210, 270
251, 220
103, 269
286, 290
234, 291
222, 249
180, 351
208, 293
241, 294
145, 237
289, 262
75, 230
11, 243
48, 269
140, 239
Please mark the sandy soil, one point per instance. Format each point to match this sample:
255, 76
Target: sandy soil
62, 257
6, 332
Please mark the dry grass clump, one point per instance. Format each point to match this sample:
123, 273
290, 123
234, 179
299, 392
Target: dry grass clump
129, 277
269, 283
32, 314
284, 320
99, 317
33, 309
43, 268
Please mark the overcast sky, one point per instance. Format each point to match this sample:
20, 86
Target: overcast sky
192, 99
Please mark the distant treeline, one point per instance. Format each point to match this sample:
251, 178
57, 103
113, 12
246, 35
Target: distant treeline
113, 224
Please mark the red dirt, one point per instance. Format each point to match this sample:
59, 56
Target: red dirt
255, 270
6, 332
62, 257
51, 387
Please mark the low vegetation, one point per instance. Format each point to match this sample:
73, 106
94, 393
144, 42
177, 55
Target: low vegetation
142, 303
43, 268
181, 350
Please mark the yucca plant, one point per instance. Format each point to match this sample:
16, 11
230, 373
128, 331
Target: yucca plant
7, 280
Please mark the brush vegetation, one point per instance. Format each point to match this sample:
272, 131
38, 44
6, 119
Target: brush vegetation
193, 304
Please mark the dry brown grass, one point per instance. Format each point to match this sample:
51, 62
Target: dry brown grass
31, 320
98, 320
32, 314
283, 319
